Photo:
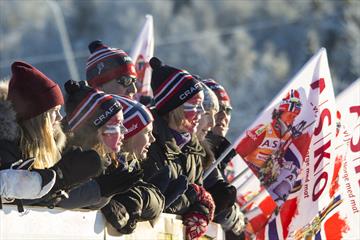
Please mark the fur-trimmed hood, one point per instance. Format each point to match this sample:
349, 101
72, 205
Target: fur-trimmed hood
9, 129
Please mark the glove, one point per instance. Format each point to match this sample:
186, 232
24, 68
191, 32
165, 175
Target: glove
205, 199
224, 195
118, 181
115, 213
196, 225
76, 167
162, 179
175, 189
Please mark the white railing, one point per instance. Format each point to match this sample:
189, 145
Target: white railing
44, 223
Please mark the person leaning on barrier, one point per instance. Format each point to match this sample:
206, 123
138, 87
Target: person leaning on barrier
95, 123
227, 213
176, 151
31, 137
143, 201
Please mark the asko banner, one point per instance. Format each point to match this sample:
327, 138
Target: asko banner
291, 134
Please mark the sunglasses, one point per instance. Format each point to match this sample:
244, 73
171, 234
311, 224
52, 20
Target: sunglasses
225, 108
126, 81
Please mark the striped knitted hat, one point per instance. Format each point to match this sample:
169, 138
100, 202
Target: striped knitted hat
105, 64
218, 90
88, 106
136, 115
171, 86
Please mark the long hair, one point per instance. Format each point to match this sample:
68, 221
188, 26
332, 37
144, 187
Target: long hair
37, 141
88, 139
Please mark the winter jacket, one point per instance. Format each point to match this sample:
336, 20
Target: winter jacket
186, 161
147, 198
15, 183
142, 202
227, 213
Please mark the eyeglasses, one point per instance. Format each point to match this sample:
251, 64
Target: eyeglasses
225, 108
126, 81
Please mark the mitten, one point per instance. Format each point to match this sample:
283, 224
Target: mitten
116, 214
175, 189
25, 184
224, 195
162, 179
75, 167
196, 225
205, 199
118, 181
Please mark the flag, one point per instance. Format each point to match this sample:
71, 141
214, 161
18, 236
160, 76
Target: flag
343, 221
141, 53
278, 144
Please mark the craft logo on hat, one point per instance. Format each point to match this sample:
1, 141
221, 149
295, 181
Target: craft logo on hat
189, 92
105, 116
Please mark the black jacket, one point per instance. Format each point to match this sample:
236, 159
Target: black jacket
186, 161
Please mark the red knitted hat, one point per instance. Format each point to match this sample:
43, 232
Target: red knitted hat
31, 92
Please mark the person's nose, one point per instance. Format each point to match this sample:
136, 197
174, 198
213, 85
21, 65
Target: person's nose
59, 117
211, 123
152, 138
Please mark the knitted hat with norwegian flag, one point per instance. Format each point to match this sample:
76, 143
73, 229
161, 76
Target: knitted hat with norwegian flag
171, 86
105, 64
89, 107
136, 116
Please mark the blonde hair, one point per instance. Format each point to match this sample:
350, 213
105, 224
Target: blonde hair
176, 117
37, 141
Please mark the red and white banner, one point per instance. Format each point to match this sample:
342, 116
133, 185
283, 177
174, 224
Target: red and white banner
337, 213
141, 53
292, 133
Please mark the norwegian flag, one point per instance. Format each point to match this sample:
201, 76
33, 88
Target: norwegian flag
141, 53
277, 154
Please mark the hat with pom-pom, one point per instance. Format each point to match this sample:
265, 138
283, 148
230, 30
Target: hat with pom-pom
136, 116
106, 63
88, 106
171, 86
31, 92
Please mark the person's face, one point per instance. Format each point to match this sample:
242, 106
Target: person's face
288, 118
142, 141
206, 123
112, 133
122, 86
193, 110
55, 115
222, 119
